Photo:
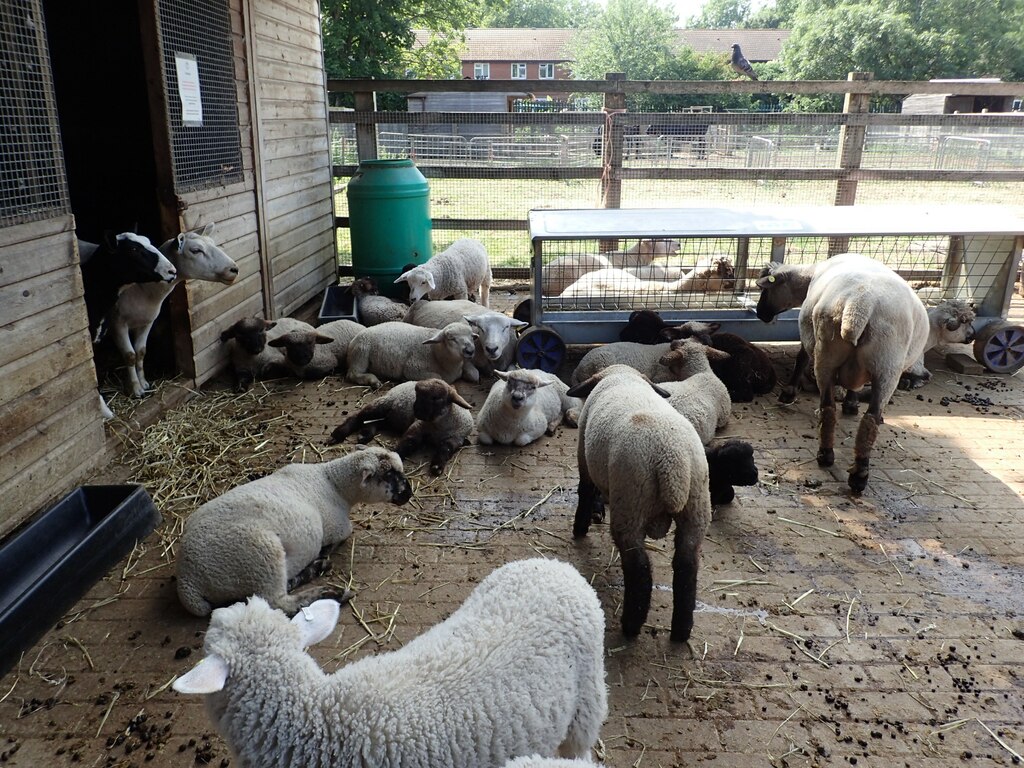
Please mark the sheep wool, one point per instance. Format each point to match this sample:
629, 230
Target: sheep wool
516, 670
460, 271
524, 405
403, 352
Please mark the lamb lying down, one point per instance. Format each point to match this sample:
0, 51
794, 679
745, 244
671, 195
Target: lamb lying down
715, 275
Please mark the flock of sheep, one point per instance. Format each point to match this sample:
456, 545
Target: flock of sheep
515, 677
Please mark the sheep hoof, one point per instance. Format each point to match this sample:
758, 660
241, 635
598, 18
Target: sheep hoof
858, 479
850, 408
787, 395
826, 458
342, 597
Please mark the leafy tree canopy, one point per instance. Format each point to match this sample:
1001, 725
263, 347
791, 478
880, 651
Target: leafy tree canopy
721, 14
539, 13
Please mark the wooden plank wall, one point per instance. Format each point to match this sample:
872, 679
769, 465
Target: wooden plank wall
51, 429
294, 149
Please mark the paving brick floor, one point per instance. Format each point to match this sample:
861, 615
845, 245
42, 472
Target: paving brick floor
885, 629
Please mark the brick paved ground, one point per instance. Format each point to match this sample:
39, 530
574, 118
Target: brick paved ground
884, 629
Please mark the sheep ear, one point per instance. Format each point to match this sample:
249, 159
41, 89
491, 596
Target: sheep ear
207, 231
208, 676
278, 342
713, 327
716, 354
518, 323
321, 339
437, 338
228, 334
503, 375
403, 278
671, 333
584, 388
660, 391
430, 280
317, 621
460, 401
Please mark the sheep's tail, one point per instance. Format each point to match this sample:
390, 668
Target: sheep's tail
857, 312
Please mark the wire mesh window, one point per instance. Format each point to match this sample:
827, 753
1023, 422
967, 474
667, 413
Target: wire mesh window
202, 104
32, 184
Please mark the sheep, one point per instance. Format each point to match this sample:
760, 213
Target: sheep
729, 463
194, 255
524, 405
644, 326
642, 456
496, 343
270, 535
951, 321
645, 358
459, 271
713, 276
373, 309
859, 322
250, 356
391, 412
563, 271
312, 353
747, 371
536, 761
696, 392
406, 352
517, 669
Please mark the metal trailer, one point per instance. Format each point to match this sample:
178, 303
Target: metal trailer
964, 252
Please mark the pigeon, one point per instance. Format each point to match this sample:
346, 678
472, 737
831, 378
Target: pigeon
740, 64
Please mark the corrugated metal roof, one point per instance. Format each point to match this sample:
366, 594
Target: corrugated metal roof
530, 45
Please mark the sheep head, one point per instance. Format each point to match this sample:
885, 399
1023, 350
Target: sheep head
434, 398
687, 357
420, 280
694, 329
250, 333
954, 320
521, 387
365, 286
199, 257
779, 291
300, 346
459, 338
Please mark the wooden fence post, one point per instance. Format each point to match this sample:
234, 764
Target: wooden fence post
366, 132
611, 153
851, 150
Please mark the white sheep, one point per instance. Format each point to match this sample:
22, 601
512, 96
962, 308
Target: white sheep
714, 275
269, 535
647, 461
250, 356
646, 358
536, 761
497, 337
402, 352
517, 669
195, 256
696, 392
312, 353
372, 308
460, 271
561, 272
523, 406
859, 322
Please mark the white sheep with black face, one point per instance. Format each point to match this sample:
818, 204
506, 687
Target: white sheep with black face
524, 405
460, 271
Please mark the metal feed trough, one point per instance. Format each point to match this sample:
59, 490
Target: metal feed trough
968, 253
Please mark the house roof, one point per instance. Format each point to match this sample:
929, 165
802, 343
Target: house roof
531, 44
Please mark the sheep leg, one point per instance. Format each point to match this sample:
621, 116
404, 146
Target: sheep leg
140, 356
371, 412
318, 567
589, 507
485, 291
470, 372
827, 427
788, 393
123, 342
685, 562
637, 582
442, 454
867, 433
851, 402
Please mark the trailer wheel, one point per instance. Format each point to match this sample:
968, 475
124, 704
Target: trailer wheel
999, 347
540, 347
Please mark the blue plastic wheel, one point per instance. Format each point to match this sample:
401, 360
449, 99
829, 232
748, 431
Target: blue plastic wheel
540, 347
1000, 347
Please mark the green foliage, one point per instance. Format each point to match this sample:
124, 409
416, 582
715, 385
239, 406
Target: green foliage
777, 15
543, 14
721, 14
631, 36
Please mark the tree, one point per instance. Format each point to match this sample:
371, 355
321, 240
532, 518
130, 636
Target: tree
544, 14
777, 15
631, 36
721, 14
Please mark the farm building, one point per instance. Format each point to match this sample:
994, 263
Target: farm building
960, 100
176, 115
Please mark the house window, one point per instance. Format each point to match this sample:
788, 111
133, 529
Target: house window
518, 71
547, 72
482, 71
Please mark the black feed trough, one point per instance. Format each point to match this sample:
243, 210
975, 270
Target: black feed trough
338, 304
50, 563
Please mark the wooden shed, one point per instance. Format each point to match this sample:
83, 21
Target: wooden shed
103, 129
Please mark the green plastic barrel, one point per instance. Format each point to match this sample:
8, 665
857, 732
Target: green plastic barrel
389, 220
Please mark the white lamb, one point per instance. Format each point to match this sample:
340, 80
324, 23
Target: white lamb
517, 669
460, 271
403, 352
715, 275
642, 456
561, 272
371, 307
696, 392
269, 535
496, 342
524, 406
646, 358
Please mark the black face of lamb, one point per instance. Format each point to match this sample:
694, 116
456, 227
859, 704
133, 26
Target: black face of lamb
300, 354
766, 310
398, 487
253, 342
429, 407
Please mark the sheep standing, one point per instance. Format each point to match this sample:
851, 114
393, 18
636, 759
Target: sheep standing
496, 332
267, 536
371, 307
250, 356
400, 351
642, 456
746, 370
460, 271
517, 669
195, 256
524, 405
859, 322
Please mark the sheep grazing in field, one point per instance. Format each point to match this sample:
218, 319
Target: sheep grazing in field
516, 670
402, 352
195, 256
271, 535
746, 372
642, 456
250, 356
460, 271
859, 322
645, 358
371, 307
496, 332
716, 275
312, 353
523, 406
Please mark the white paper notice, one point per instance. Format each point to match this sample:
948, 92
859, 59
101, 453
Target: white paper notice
188, 89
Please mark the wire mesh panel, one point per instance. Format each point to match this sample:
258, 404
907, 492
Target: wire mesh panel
199, 80
32, 184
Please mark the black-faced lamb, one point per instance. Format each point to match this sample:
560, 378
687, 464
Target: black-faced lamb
250, 356
730, 463
642, 456
458, 272
496, 332
517, 669
195, 256
746, 372
859, 322
371, 307
270, 535
402, 352
524, 405
312, 353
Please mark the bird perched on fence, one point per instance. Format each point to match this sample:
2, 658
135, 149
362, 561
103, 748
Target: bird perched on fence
740, 63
